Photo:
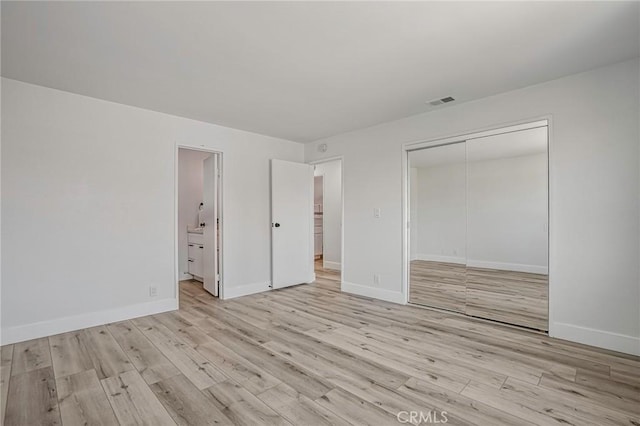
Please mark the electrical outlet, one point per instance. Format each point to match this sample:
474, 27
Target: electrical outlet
376, 279
153, 291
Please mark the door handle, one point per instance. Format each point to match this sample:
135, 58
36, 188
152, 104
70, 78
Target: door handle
277, 225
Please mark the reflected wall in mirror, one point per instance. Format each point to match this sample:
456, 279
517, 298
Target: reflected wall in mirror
478, 216
437, 226
507, 210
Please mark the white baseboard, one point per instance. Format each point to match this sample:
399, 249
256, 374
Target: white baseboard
331, 265
184, 276
373, 292
534, 269
62, 325
437, 258
518, 267
245, 290
593, 337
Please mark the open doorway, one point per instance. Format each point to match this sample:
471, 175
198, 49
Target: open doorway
199, 215
327, 219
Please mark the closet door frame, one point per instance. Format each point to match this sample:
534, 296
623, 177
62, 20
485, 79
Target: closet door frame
525, 124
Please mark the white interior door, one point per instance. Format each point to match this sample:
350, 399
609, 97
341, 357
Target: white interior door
210, 213
291, 223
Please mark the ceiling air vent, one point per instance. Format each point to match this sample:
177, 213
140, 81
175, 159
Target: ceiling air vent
441, 101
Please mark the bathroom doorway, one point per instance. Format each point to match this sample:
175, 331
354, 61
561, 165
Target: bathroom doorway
199, 219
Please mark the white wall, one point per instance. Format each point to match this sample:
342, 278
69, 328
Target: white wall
441, 217
332, 214
88, 208
189, 198
594, 203
507, 213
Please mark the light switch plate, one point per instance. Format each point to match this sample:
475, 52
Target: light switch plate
376, 212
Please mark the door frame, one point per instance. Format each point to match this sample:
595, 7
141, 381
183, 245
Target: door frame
545, 120
176, 239
329, 160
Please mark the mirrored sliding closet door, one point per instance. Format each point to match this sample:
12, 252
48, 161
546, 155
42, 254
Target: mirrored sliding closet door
437, 186
479, 227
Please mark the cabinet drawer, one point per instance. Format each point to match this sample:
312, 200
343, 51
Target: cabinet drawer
195, 251
195, 267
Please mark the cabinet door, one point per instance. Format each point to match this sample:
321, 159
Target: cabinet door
195, 259
193, 251
199, 264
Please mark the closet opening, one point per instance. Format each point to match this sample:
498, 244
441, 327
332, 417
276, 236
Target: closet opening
477, 239
199, 219
328, 218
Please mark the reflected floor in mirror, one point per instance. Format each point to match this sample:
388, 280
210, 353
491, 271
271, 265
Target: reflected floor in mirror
438, 284
517, 298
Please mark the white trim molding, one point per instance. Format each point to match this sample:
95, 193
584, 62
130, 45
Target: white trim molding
373, 292
517, 267
76, 322
593, 337
336, 266
472, 263
444, 259
231, 292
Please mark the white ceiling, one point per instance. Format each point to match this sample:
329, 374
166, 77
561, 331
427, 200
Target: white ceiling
307, 70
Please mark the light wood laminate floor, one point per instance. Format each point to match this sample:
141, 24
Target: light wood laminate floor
311, 355
512, 297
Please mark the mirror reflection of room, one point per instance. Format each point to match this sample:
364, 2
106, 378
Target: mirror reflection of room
438, 231
507, 228
479, 227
